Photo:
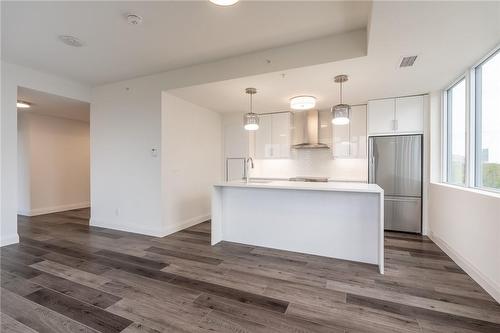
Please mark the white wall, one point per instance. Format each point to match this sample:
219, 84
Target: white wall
53, 164
191, 161
23, 166
13, 76
125, 124
465, 223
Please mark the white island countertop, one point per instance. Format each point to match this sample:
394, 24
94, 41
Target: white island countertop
343, 220
314, 186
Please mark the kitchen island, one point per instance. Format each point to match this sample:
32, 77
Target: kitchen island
332, 219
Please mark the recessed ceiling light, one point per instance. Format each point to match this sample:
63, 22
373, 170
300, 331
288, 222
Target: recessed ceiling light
224, 2
134, 19
23, 105
302, 102
70, 40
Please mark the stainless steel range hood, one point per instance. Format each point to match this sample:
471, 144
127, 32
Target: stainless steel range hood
306, 130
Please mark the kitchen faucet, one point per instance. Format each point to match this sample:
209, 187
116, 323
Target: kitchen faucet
247, 172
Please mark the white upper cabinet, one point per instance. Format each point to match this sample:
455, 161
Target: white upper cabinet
341, 140
396, 115
263, 142
349, 141
272, 139
280, 135
235, 136
357, 132
409, 114
381, 116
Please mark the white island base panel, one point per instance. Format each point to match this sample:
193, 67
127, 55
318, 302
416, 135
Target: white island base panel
332, 222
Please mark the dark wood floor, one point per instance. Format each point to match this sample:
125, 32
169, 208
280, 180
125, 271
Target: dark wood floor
65, 276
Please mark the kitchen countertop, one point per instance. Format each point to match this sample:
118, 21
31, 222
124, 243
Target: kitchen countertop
314, 186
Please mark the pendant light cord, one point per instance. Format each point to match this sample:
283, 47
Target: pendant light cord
341, 92
251, 104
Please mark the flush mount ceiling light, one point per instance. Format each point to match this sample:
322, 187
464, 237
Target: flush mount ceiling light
340, 112
302, 102
23, 105
70, 40
224, 2
134, 19
251, 119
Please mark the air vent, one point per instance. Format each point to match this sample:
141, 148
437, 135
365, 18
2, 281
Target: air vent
408, 61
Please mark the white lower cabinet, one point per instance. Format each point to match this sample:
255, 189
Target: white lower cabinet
272, 139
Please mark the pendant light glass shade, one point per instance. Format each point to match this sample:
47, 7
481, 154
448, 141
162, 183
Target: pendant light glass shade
341, 112
251, 119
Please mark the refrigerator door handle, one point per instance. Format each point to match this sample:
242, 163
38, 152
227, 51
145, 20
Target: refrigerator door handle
371, 162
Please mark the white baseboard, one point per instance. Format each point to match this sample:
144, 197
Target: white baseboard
53, 209
138, 229
485, 282
9, 239
129, 227
186, 224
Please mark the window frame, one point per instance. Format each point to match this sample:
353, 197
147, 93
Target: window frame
447, 130
472, 128
477, 118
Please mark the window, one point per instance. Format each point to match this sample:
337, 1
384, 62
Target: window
472, 127
456, 133
487, 108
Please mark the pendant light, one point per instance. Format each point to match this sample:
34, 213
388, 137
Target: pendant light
340, 112
251, 120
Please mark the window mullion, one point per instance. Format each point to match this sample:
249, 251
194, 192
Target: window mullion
468, 131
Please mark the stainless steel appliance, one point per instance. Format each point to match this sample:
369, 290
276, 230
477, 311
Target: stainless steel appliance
306, 130
395, 164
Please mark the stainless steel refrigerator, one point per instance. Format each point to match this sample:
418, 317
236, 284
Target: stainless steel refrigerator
395, 164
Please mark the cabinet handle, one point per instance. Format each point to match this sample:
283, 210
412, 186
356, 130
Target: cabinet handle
395, 124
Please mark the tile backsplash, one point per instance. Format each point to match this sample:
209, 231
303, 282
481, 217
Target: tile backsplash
313, 163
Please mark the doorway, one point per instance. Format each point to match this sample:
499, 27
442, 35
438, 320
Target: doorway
53, 157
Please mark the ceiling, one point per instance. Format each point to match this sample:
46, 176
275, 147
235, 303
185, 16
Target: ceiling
448, 37
174, 34
53, 105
